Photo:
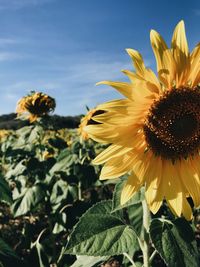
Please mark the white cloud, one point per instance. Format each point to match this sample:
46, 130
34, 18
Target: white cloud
9, 56
8, 41
70, 80
197, 12
17, 4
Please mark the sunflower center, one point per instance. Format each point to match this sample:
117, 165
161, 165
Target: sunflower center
172, 126
184, 127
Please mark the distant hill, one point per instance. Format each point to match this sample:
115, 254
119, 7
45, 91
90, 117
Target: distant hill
9, 121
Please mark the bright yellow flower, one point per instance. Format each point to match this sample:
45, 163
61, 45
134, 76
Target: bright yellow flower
4, 133
155, 131
88, 120
35, 105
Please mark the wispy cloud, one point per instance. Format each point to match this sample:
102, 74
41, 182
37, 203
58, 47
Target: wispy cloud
73, 89
197, 12
10, 56
18, 4
8, 41
71, 80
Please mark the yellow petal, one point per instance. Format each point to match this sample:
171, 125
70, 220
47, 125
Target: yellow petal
110, 152
130, 188
137, 61
153, 177
190, 179
194, 76
181, 54
142, 72
116, 167
179, 40
155, 206
186, 209
172, 187
124, 88
164, 59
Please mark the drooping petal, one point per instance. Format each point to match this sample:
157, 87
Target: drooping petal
190, 179
112, 168
110, 152
173, 189
124, 88
153, 177
130, 188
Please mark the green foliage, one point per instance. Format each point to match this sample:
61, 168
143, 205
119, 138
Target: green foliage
51, 195
8, 257
5, 192
106, 235
175, 242
88, 261
28, 200
44, 175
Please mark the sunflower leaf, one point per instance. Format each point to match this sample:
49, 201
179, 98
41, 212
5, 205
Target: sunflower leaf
8, 257
135, 215
137, 198
101, 233
88, 261
28, 200
175, 242
5, 192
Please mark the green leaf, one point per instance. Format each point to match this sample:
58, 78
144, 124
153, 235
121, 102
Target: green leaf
88, 261
64, 164
39, 252
5, 250
16, 170
8, 257
35, 134
60, 224
100, 233
59, 194
28, 200
135, 214
175, 242
137, 198
63, 154
5, 192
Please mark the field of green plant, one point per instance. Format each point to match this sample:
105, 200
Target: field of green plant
56, 212
47, 183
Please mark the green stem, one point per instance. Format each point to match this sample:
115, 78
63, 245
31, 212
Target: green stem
152, 256
79, 191
145, 237
53, 240
130, 259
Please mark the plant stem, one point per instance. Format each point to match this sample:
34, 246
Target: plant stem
145, 236
79, 191
152, 256
130, 259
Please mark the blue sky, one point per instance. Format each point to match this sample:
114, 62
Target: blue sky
63, 47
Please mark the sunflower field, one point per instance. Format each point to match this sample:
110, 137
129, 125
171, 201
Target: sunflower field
121, 190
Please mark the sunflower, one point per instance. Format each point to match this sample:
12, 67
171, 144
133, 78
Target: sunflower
88, 120
36, 105
4, 133
154, 132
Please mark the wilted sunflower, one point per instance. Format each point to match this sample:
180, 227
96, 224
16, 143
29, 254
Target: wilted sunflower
88, 120
155, 131
35, 105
